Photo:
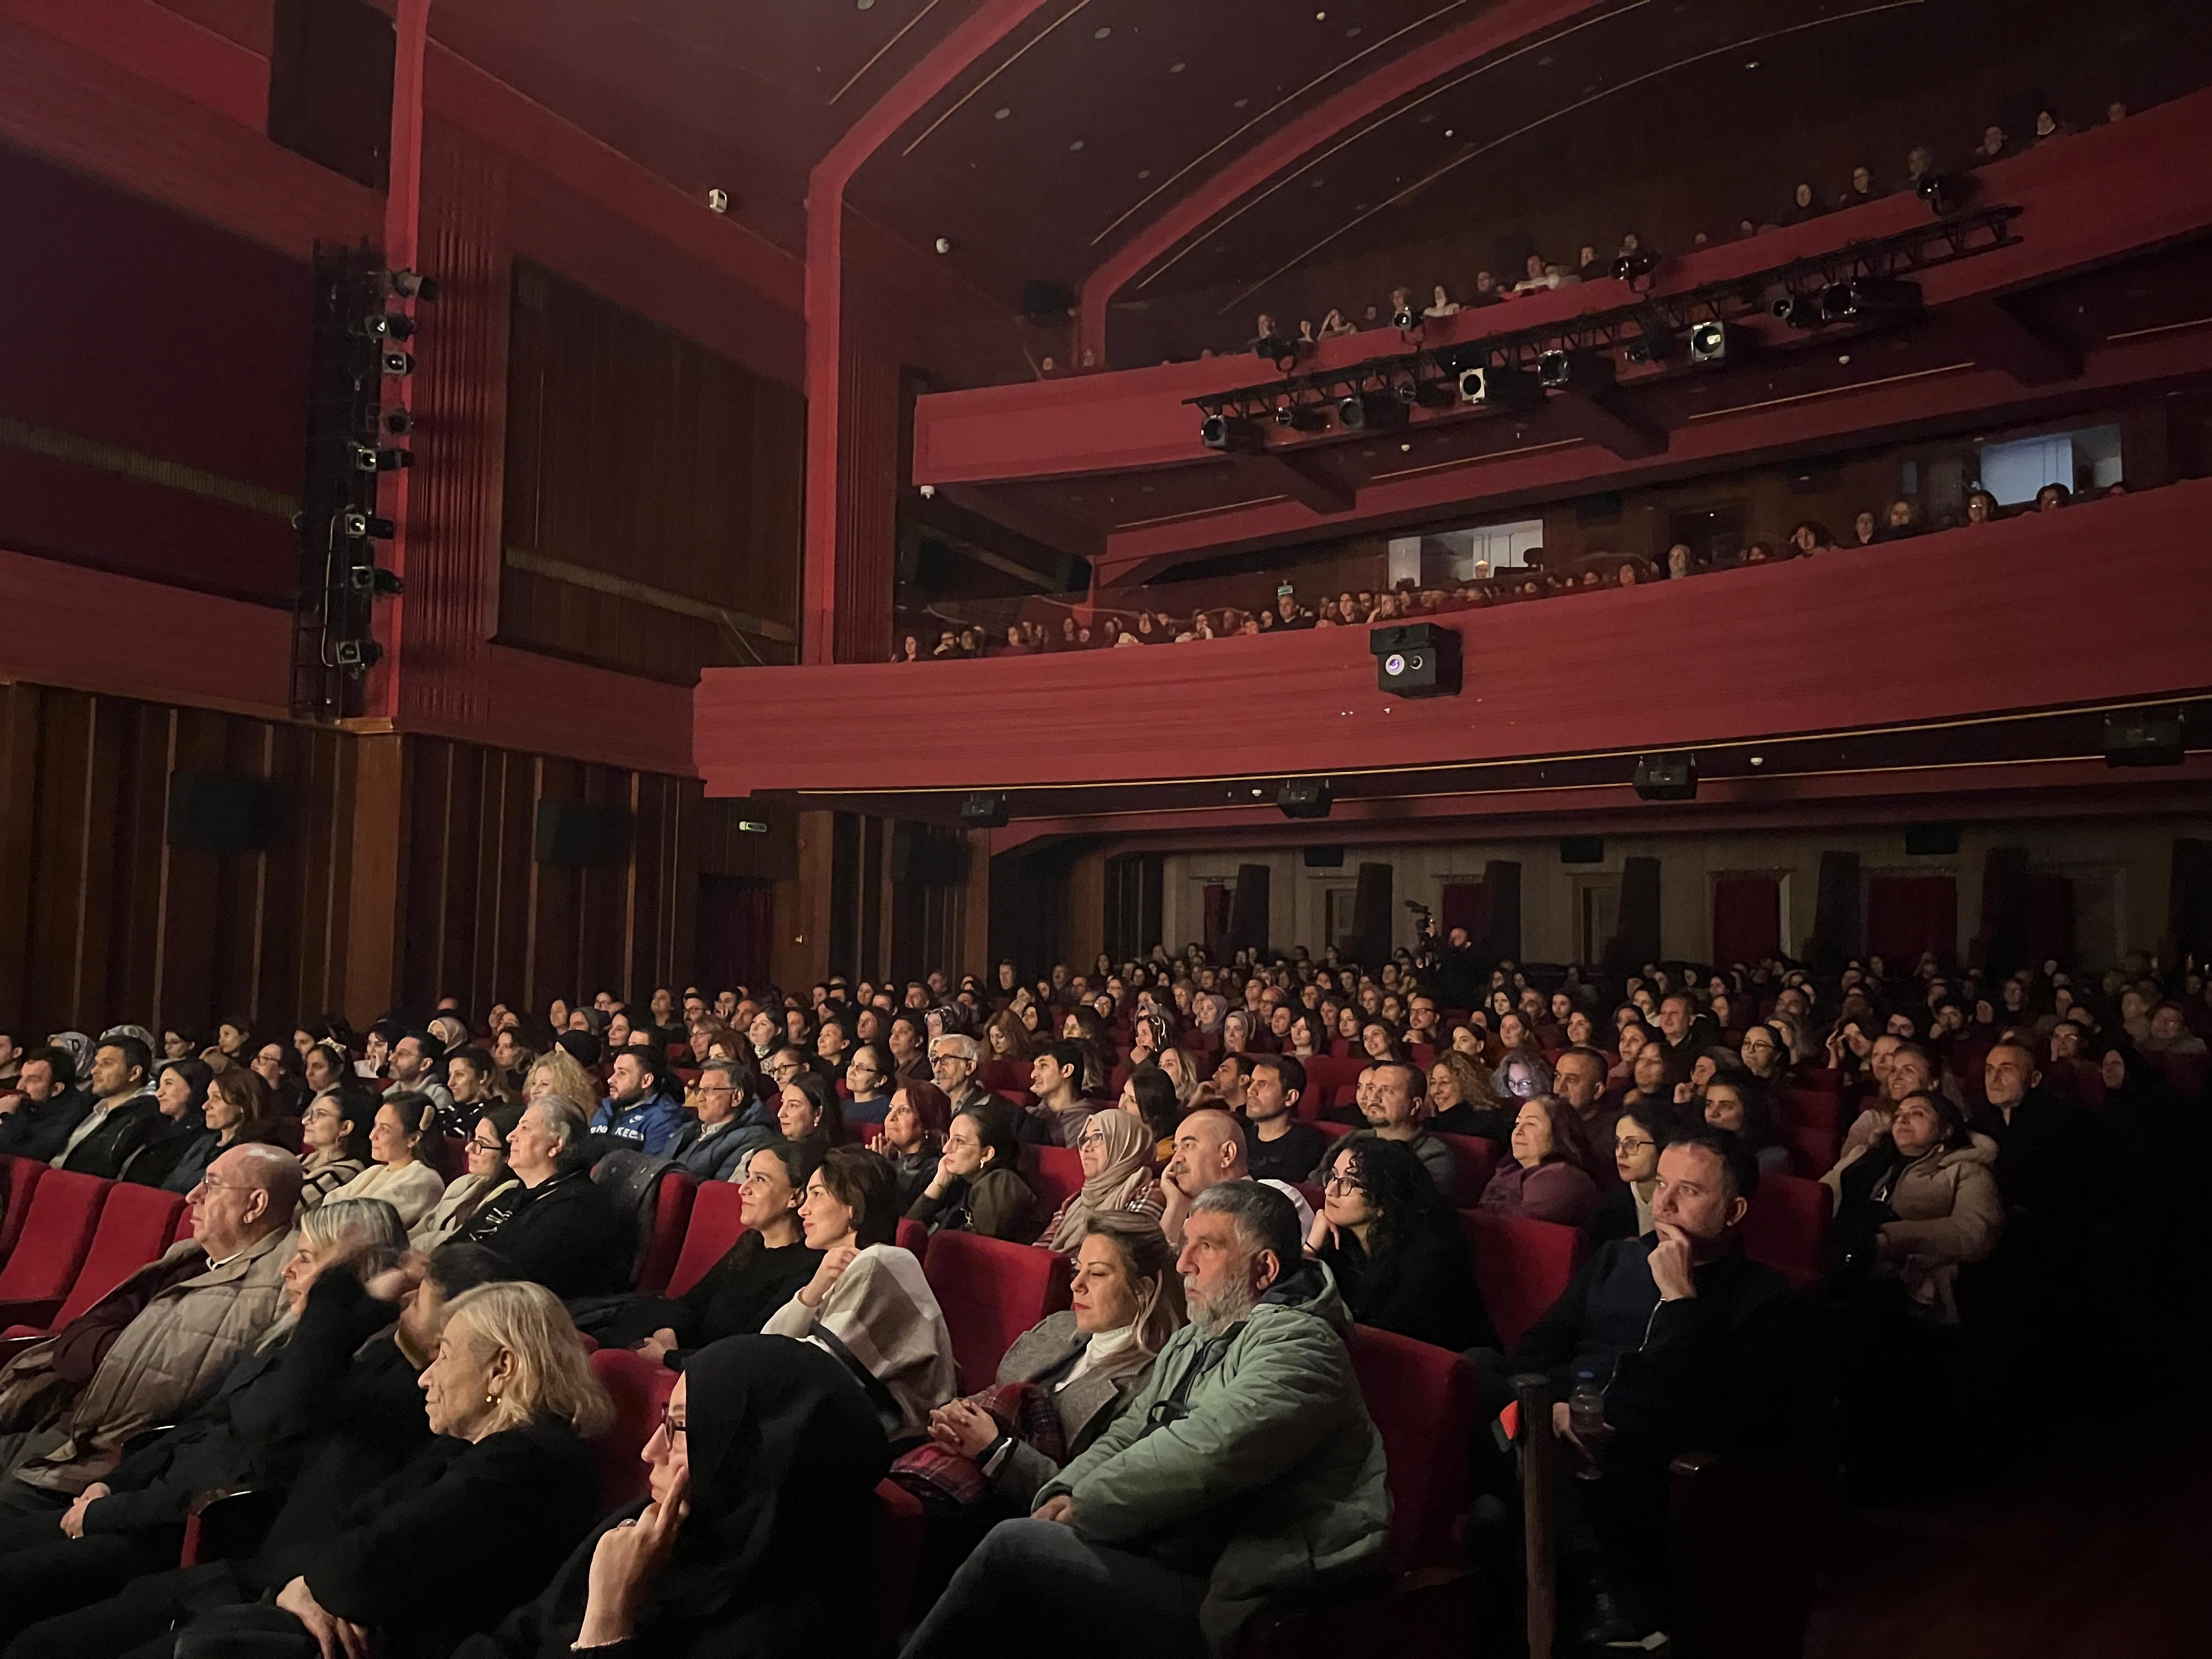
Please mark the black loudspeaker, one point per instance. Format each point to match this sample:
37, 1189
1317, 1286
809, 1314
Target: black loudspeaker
1667, 777
578, 834
1582, 849
329, 85
219, 811
1044, 300
2142, 738
1931, 841
2004, 910
1839, 913
1324, 858
1416, 660
1304, 798
983, 812
1637, 941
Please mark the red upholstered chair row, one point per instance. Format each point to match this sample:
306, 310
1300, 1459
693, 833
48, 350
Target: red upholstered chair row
1521, 1267
990, 1292
60, 1217
1786, 1227
1058, 1176
715, 1225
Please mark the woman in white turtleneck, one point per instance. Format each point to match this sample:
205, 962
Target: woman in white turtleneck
1093, 1360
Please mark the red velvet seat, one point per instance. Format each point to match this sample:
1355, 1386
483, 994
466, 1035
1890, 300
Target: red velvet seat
913, 1237
990, 1292
1331, 1128
1521, 1267
1473, 1161
63, 1214
671, 1214
900, 1526
136, 1224
715, 1224
22, 1175
1786, 1227
1003, 1074
1813, 1151
640, 1388
1323, 1074
1058, 1176
185, 1228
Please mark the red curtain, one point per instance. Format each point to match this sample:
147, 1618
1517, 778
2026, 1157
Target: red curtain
1466, 904
1216, 921
2049, 920
1746, 918
735, 921
1907, 914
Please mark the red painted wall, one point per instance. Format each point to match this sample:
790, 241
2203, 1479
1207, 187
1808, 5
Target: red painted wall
2099, 602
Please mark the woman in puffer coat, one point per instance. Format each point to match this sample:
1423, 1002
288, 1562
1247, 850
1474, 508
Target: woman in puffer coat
1920, 1202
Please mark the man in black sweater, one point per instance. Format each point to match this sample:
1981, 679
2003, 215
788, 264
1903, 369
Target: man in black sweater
1279, 1147
1694, 1347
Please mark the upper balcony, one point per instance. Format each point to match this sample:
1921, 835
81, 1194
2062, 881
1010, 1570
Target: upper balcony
2092, 286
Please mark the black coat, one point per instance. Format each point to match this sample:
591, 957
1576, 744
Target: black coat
1424, 1287
1614, 1217
447, 1546
565, 1234
108, 1148
40, 1129
179, 1150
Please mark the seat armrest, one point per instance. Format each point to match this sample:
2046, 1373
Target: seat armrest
228, 1523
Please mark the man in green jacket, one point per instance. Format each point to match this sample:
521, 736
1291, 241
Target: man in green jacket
1247, 1467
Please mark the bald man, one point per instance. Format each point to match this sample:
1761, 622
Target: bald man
165, 1334
1209, 1150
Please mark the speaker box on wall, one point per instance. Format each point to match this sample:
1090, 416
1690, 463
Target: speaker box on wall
981, 810
1637, 941
1324, 858
576, 835
1247, 909
1839, 913
1304, 798
219, 811
1931, 841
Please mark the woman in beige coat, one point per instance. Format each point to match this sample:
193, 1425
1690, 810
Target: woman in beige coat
1923, 1198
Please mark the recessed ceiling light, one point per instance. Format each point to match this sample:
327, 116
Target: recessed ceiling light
1176, 68
1428, 117
1753, 63
1143, 172
866, 5
1320, 17
1001, 113
1351, 35
1448, 132
1100, 33
1078, 144
1240, 103
1318, 183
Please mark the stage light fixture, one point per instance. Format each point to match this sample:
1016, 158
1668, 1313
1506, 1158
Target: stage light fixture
1634, 267
398, 365
1301, 418
1416, 660
1657, 342
1405, 320
367, 458
1945, 193
1667, 777
357, 655
1304, 798
1491, 384
1799, 309
1370, 412
364, 526
1710, 342
982, 810
1231, 435
1556, 371
399, 422
412, 285
1865, 299
371, 581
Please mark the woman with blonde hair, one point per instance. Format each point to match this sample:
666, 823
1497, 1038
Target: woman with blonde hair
409, 1568
556, 1072
1463, 1098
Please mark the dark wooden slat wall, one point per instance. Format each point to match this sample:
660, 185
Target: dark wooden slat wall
102, 921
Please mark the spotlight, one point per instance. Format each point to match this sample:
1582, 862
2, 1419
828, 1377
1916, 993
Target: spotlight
1301, 418
361, 526
1405, 320
1455, 360
982, 810
399, 422
1944, 192
1416, 660
367, 459
412, 285
1657, 342
718, 201
357, 655
1370, 412
1633, 267
1231, 434
1492, 385
1710, 342
1435, 394
1869, 299
398, 365
386, 325
1557, 370
1799, 309
1407, 390
371, 581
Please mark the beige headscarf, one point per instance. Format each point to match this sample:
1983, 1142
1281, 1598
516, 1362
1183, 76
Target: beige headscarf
1128, 1147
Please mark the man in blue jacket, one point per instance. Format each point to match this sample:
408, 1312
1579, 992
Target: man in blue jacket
640, 1110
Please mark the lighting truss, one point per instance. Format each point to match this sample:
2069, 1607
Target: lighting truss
1887, 257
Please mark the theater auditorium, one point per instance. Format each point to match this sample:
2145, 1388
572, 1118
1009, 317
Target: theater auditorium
629, 1022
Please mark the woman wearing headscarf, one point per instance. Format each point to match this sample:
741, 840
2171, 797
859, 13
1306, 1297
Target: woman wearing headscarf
1116, 1148
77, 1046
765, 1456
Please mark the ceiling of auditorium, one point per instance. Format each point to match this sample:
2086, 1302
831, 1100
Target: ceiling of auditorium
1079, 129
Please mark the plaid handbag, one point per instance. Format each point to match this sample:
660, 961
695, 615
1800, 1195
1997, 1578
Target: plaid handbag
1021, 1409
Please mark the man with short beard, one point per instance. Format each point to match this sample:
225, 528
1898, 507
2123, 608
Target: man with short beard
1247, 1468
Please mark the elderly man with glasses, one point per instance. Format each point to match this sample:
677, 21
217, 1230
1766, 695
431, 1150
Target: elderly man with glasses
732, 1122
952, 1062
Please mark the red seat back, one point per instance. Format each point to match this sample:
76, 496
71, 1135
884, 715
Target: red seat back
1423, 1401
914, 1238
1786, 1227
1058, 1176
640, 1388
900, 1528
671, 1212
1812, 1151
990, 1292
58, 1229
1325, 1073
1815, 1108
136, 1224
997, 1074
184, 1229
22, 1175
1521, 1267
715, 1224
1474, 1159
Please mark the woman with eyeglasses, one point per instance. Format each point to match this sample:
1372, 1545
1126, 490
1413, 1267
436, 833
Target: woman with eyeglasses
868, 1083
487, 1178
978, 1187
753, 1474
914, 1137
1395, 1248
1638, 1135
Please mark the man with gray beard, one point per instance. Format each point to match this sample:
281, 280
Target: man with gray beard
1247, 1468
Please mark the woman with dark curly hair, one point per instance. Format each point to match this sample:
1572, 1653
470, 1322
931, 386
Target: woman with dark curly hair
1394, 1247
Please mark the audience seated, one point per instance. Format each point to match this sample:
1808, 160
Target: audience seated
1117, 1154
334, 1132
1689, 1345
1396, 1251
640, 1110
1639, 1135
1546, 1175
978, 1186
1210, 1152
914, 1133
867, 1305
1743, 1109
154, 1342
1245, 1469
399, 1172
1916, 1205
1057, 1079
555, 1226
489, 1177
728, 1126
1278, 1146
123, 1113
45, 1106
1396, 1108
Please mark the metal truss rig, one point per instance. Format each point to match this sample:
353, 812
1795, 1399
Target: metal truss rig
1431, 376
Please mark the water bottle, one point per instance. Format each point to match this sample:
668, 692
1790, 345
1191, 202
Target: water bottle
1586, 1416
